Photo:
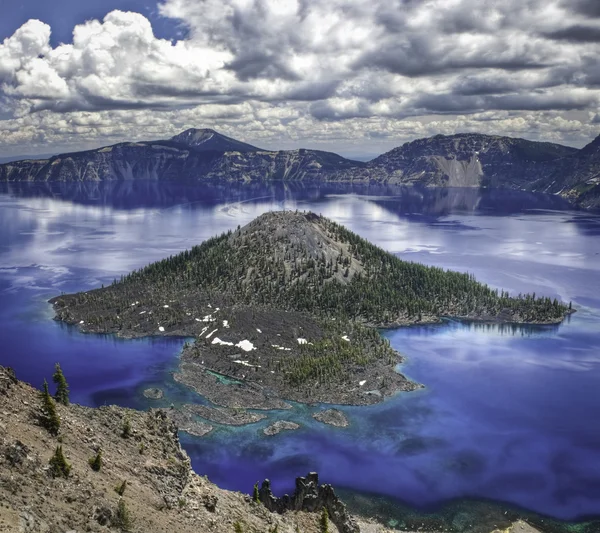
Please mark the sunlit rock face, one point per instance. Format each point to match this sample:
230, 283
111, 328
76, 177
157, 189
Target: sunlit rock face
468, 160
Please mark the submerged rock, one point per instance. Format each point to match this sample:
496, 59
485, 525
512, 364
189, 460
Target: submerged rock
279, 426
154, 394
223, 415
333, 417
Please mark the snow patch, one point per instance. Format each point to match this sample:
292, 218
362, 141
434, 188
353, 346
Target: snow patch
361, 383
277, 347
166, 306
225, 323
216, 340
210, 334
160, 328
346, 338
302, 341
81, 322
245, 345
245, 363
258, 330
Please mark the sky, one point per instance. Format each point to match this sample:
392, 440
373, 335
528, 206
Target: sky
358, 77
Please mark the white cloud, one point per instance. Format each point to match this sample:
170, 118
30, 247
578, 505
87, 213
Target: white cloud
330, 73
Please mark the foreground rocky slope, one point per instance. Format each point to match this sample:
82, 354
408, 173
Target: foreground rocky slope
461, 160
162, 493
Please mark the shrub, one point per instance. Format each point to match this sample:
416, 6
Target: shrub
120, 488
58, 464
126, 429
324, 521
96, 461
123, 518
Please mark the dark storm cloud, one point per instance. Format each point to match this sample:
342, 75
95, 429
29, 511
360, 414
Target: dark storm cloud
310, 92
324, 110
417, 58
577, 33
454, 104
590, 8
254, 64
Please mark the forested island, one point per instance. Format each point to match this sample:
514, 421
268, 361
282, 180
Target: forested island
288, 307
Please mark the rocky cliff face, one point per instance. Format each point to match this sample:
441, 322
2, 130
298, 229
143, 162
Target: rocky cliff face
576, 177
203, 157
467, 160
462, 160
311, 497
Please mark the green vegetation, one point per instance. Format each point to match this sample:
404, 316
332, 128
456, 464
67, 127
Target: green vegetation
324, 522
326, 360
96, 461
58, 464
120, 488
362, 282
49, 415
255, 495
123, 518
126, 428
237, 527
62, 387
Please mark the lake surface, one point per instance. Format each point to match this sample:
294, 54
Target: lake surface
508, 413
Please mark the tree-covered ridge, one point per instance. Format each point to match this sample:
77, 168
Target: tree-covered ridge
304, 262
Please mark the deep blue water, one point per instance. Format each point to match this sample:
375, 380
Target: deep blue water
508, 413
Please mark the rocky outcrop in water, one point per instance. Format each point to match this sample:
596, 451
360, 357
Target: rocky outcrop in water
311, 497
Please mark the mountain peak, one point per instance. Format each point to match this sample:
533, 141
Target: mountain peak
591, 148
205, 139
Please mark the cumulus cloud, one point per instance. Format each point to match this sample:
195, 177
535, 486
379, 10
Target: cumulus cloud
317, 71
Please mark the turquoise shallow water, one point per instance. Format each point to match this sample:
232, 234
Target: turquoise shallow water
508, 413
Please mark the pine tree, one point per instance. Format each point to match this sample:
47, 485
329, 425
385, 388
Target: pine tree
58, 464
123, 518
62, 387
255, 494
96, 461
324, 521
49, 417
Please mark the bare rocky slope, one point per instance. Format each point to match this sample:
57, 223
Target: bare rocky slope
461, 160
162, 492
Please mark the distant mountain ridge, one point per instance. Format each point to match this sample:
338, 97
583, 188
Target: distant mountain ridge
460, 160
